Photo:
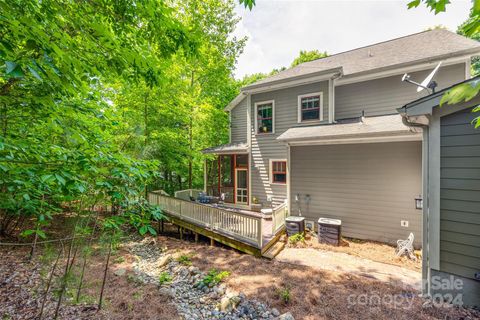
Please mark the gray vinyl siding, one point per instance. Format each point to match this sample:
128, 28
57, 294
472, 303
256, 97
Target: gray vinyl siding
370, 187
265, 147
238, 122
459, 194
383, 96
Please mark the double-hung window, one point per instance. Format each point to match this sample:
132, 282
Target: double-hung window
265, 117
310, 107
278, 171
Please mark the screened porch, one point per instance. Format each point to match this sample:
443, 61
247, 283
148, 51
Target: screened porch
226, 178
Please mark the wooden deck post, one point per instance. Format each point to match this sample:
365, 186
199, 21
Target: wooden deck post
196, 237
181, 233
212, 242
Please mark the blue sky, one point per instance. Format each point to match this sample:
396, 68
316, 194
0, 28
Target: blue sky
278, 29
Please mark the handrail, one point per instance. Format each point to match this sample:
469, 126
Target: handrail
243, 227
279, 214
187, 193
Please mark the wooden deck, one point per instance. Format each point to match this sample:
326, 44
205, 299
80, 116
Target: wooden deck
247, 231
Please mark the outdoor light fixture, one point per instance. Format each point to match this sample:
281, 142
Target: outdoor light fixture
307, 198
419, 202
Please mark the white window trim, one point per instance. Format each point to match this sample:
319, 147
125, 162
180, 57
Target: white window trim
256, 118
270, 171
299, 107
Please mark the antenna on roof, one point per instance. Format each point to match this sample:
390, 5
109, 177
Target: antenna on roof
427, 84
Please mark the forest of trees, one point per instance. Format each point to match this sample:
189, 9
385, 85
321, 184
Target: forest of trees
101, 100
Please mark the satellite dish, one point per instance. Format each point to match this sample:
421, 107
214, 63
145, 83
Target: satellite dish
426, 83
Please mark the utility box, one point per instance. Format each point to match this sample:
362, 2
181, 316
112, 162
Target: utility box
295, 225
329, 231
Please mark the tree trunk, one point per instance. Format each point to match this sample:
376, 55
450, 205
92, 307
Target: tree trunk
105, 275
190, 138
49, 282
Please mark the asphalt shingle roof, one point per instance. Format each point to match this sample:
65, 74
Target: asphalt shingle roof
428, 46
234, 147
389, 125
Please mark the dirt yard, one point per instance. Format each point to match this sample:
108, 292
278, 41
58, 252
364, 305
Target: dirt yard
305, 292
371, 250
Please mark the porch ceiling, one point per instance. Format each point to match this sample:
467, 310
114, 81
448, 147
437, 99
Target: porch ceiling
365, 129
229, 148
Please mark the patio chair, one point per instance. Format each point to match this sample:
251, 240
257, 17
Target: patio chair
405, 247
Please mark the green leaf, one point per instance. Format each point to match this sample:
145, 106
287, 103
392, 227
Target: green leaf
143, 230
60, 179
10, 66
41, 234
152, 231
26, 197
26, 233
13, 69
476, 7
413, 4
34, 73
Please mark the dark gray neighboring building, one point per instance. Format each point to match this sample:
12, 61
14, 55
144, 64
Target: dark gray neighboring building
451, 189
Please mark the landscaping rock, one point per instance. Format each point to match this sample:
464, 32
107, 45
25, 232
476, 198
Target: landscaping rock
286, 316
194, 299
120, 272
275, 312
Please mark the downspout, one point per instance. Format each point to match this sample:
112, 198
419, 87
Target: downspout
332, 99
425, 210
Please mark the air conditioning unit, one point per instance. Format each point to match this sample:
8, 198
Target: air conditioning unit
329, 231
295, 225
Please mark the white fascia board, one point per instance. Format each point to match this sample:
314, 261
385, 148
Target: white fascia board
406, 69
393, 138
292, 83
235, 102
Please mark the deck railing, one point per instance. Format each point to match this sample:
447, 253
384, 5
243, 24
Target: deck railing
279, 214
243, 227
186, 194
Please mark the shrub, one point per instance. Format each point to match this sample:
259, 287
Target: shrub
214, 277
164, 278
284, 294
296, 238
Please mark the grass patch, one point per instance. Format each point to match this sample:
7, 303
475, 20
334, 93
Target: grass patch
185, 259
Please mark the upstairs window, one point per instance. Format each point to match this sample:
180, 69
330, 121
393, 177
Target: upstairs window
265, 114
278, 171
310, 107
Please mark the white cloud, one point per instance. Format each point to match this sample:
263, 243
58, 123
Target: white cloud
278, 30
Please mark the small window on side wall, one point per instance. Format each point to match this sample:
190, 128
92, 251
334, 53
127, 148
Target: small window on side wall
310, 107
265, 117
278, 171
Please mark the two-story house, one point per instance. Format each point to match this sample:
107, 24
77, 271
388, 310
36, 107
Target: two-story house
325, 136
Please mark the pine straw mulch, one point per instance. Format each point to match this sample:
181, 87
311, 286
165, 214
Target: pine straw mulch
22, 287
314, 294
